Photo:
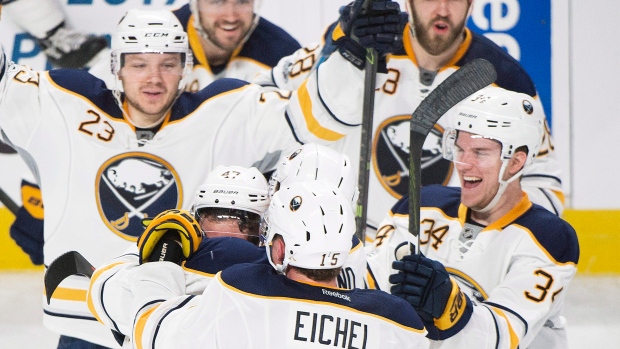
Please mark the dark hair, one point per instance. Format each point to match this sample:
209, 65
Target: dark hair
319, 274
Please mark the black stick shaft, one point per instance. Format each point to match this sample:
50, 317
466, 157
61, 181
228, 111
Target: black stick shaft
8, 202
366, 142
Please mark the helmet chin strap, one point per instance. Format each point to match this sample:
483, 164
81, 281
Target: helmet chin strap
503, 184
280, 268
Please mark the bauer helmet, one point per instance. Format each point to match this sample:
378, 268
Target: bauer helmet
313, 219
233, 192
149, 31
316, 162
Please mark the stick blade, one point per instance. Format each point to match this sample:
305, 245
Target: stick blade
70, 263
470, 78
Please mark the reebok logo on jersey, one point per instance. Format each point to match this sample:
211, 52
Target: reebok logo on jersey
336, 294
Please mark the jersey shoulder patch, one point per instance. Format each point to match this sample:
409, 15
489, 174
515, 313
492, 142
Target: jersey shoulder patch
214, 255
84, 84
188, 102
445, 198
269, 43
553, 233
183, 13
510, 74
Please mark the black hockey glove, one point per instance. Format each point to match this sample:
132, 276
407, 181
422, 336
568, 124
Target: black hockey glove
377, 24
172, 236
426, 285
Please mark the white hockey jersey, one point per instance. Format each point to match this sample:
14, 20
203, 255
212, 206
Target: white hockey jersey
98, 180
516, 271
250, 306
110, 293
403, 90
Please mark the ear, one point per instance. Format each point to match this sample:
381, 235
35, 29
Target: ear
277, 250
516, 162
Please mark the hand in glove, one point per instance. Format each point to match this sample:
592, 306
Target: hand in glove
437, 298
363, 24
173, 236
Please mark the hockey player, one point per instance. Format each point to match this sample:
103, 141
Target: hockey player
229, 203
435, 44
318, 162
64, 47
294, 302
228, 39
494, 268
142, 143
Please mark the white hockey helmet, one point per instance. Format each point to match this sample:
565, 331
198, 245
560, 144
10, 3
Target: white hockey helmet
149, 31
313, 219
513, 119
233, 187
316, 162
193, 5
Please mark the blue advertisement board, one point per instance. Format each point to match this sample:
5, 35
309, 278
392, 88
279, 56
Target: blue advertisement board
523, 28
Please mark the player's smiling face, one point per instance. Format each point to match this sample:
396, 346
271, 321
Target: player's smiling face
151, 82
226, 21
477, 160
438, 23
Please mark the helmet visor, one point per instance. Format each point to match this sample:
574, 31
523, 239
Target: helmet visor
218, 222
141, 64
468, 150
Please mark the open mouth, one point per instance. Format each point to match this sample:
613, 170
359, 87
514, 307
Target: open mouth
471, 182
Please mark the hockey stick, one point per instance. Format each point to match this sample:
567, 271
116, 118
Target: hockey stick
470, 78
363, 175
8, 202
70, 263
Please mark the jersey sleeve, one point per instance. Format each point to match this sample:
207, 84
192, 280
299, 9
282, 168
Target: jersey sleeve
292, 70
21, 89
324, 109
109, 295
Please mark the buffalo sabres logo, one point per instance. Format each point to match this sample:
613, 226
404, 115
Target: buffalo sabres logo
391, 156
528, 107
134, 186
295, 203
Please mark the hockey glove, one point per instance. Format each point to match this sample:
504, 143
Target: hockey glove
173, 236
426, 285
377, 24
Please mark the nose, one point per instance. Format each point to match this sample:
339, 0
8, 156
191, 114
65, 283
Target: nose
154, 74
442, 8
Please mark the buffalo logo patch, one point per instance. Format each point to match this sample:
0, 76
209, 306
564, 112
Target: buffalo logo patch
134, 186
391, 156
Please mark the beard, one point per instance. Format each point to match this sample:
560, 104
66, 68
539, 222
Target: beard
225, 44
433, 44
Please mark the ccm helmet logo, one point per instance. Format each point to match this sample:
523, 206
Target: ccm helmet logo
155, 35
